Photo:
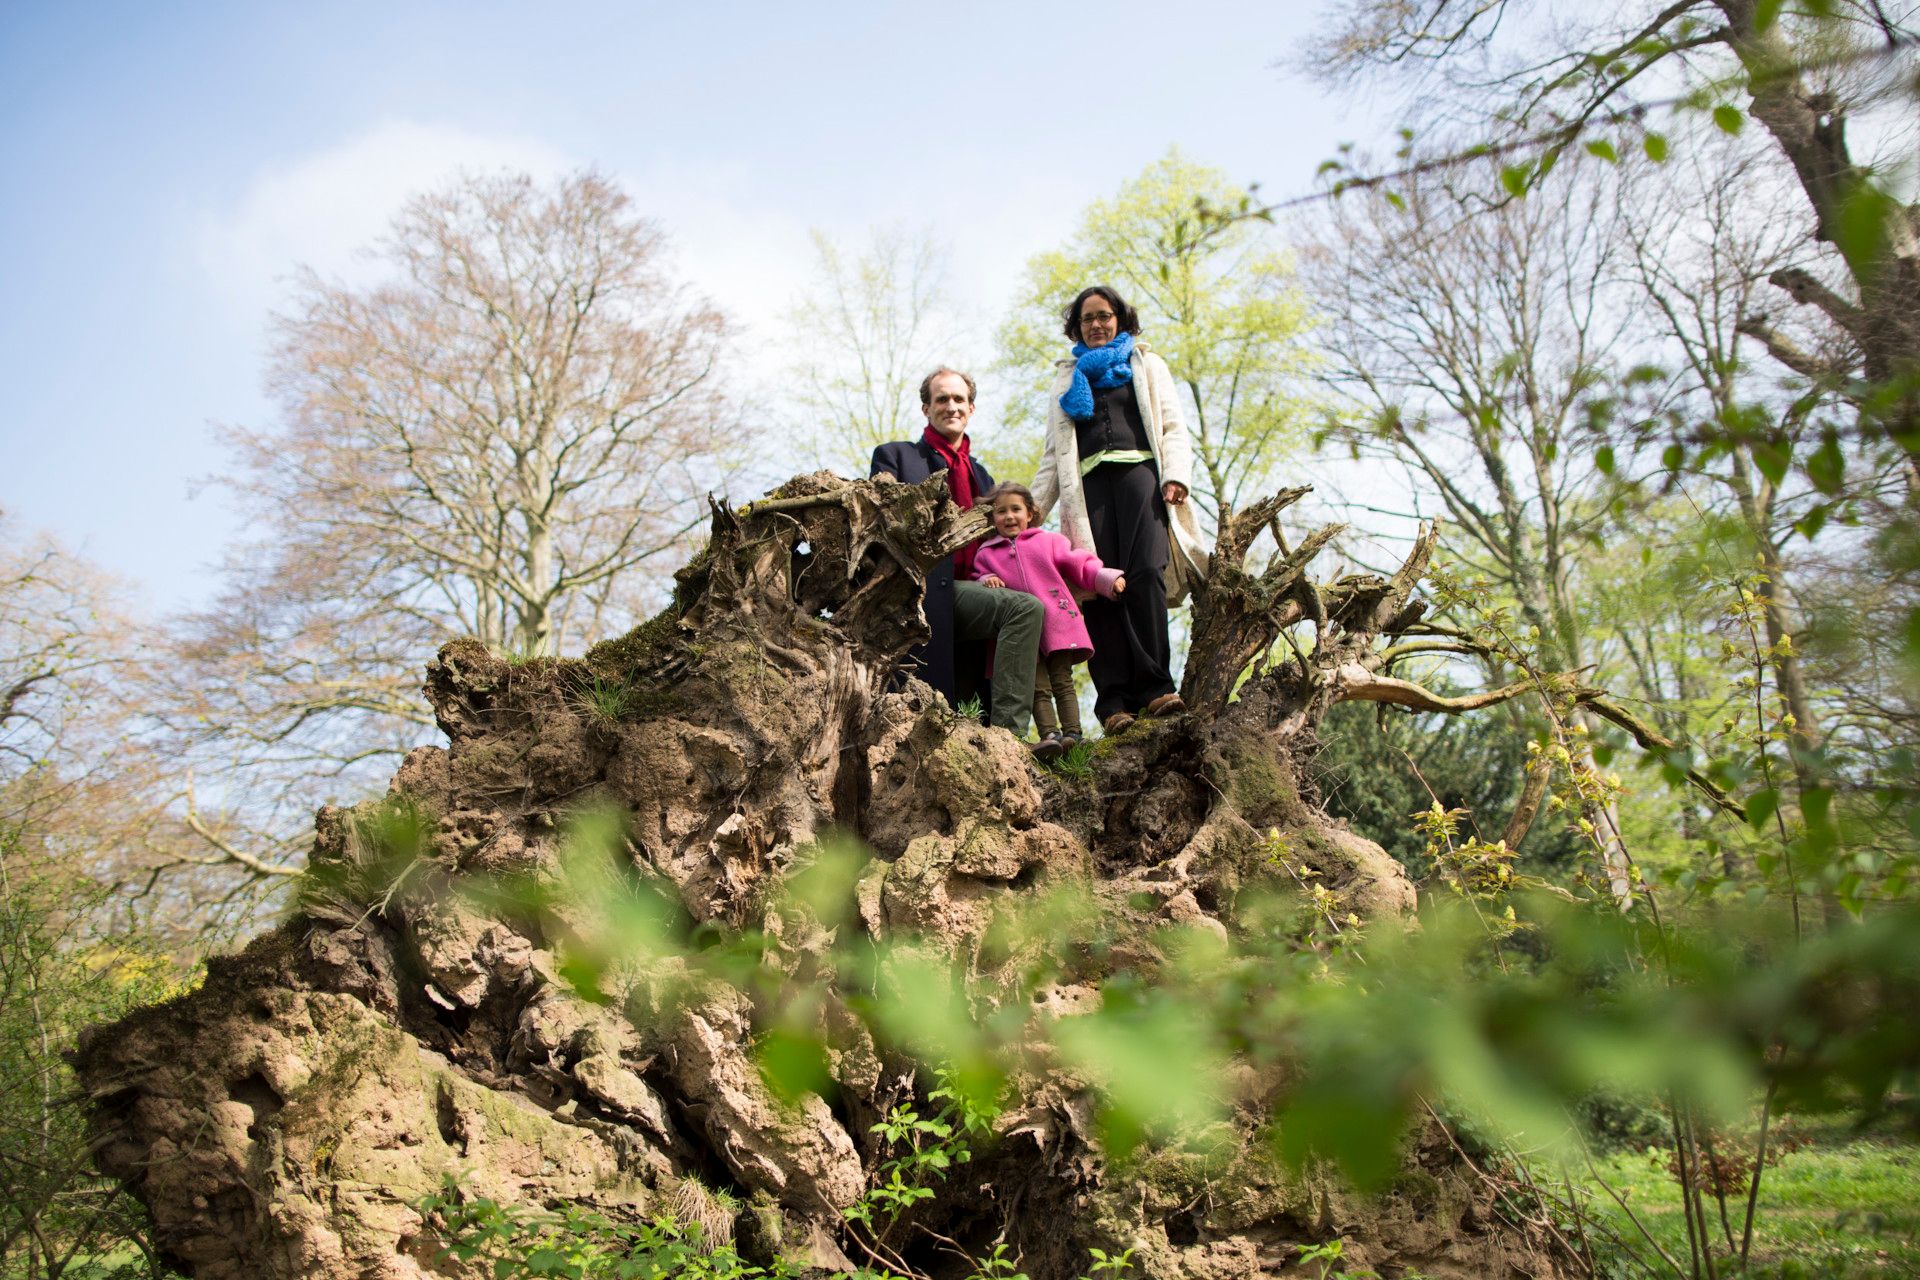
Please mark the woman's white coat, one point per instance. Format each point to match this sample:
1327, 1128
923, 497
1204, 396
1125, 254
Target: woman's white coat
1059, 479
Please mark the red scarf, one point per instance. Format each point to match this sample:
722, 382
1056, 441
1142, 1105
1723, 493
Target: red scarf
960, 484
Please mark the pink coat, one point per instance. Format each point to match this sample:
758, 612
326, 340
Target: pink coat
1042, 563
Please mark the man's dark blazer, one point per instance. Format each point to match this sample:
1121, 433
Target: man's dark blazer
911, 461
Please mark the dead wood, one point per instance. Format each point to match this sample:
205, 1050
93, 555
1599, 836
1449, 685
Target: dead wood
283, 1119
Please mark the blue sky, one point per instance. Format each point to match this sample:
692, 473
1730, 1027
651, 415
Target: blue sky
167, 166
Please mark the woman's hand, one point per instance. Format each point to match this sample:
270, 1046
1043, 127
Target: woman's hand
1119, 584
1174, 492
992, 580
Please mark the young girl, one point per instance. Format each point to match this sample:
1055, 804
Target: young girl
1044, 564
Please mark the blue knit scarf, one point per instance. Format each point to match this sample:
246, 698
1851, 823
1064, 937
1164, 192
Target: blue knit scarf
1101, 367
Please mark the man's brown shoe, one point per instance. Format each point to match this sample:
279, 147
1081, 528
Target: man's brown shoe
1118, 722
1167, 704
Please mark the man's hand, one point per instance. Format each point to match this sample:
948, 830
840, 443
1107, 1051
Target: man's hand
992, 580
1174, 492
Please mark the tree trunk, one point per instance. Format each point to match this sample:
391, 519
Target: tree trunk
283, 1119
1877, 235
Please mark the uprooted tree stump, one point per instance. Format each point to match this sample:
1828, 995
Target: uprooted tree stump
284, 1119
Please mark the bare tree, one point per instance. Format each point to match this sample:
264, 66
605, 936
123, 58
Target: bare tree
503, 439
1559, 71
519, 415
874, 321
65, 645
53, 611
82, 784
1465, 344
1700, 260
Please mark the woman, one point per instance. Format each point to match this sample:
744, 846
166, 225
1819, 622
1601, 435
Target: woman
1118, 462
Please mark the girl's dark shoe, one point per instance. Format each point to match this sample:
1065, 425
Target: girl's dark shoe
1048, 748
1068, 741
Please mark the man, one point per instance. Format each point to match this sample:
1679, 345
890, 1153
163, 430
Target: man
959, 610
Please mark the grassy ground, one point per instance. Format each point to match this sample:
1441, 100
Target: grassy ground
1840, 1204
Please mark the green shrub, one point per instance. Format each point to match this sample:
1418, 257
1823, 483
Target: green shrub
579, 1243
385, 843
606, 701
59, 974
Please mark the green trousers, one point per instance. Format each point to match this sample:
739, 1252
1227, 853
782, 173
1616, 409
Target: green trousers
1012, 620
1053, 690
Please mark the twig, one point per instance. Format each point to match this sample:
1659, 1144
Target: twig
1632, 1217
1357, 684
1498, 1185
953, 1246
229, 851
1578, 1209
1652, 739
1719, 1194
1759, 1163
1557, 136
1687, 1157
1396, 652
1528, 806
768, 506
885, 1257
1544, 1220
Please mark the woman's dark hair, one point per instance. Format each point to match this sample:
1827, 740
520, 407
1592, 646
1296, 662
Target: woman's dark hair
1126, 316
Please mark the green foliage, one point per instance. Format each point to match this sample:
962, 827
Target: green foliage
1075, 762
1217, 301
928, 1148
384, 847
578, 1243
925, 1148
1327, 1258
58, 1217
1514, 1014
996, 1266
524, 659
1867, 216
1380, 768
1835, 1204
1506, 1009
1615, 1121
607, 701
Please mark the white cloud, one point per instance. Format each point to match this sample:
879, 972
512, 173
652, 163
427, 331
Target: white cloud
744, 248
320, 209
747, 253
748, 248
731, 238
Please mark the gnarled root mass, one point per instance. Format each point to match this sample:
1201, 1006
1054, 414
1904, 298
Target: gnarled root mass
284, 1119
